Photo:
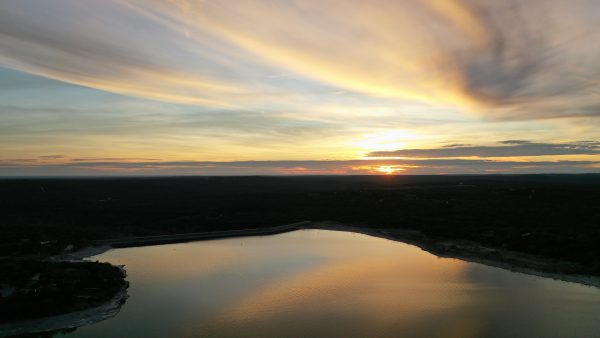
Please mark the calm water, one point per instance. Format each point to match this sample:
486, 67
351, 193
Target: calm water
316, 283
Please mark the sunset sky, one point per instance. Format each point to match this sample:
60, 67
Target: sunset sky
230, 87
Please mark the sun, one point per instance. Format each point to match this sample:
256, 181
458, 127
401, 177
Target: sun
389, 169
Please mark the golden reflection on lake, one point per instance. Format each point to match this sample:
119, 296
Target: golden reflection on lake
316, 283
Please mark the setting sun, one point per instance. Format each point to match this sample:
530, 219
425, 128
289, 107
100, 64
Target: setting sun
389, 169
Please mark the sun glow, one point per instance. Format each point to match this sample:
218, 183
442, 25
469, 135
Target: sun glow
393, 139
389, 169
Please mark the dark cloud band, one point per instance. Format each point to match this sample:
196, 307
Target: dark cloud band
124, 167
510, 148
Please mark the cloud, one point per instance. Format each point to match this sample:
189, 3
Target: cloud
503, 59
510, 148
51, 157
125, 167
111, 46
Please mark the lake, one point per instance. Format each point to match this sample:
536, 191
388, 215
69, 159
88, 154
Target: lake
318, 283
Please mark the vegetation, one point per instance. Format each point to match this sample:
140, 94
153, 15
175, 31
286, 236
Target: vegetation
555, 216
38, 289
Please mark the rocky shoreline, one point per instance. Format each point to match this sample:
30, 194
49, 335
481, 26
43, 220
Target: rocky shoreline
477, 253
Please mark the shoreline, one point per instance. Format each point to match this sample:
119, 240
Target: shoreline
456, 249
474, 252
101, 246
459, 249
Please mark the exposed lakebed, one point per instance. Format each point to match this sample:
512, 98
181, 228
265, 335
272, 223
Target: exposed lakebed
318, 283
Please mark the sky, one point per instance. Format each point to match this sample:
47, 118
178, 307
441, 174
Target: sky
229, 87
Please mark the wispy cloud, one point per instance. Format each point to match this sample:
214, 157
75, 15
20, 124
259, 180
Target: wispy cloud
504, 59
509, 148
51, 157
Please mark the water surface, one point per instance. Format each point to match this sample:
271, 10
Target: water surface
317, 283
